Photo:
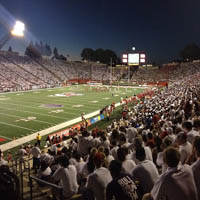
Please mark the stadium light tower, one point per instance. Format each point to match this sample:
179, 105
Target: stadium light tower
16, 31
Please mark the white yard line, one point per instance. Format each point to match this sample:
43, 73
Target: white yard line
82, 110
20, 117
34, 112
28, 138
5, 137
17, 126
30, 90
38, 106
64, 100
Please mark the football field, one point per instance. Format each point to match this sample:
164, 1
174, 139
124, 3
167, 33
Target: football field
24, 113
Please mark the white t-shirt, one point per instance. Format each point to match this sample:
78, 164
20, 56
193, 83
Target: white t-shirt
95, 142
113, 152
147, 174
54, 148
84, 170
196, 171
174, 184
160, 162
46, 172
35, 151
98, 181
22, 153
147, 152
185, 151
131, 133
109, 158
83, 145
3, 162
79, 165
68, 180
105, 144
47, 158
191, 135
127, 166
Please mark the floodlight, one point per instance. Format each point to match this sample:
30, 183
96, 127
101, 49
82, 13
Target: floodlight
18, 29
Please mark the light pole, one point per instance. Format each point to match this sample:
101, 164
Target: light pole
128, 73
111, 70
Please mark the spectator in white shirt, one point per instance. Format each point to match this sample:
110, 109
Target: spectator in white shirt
113, 151
175, 183
167, 141
44, 172
137, 143
196, 165
83, 143
145, 172
35, 151
187, 126
127, 165
99, 179
185, 148
66, 176
2, 161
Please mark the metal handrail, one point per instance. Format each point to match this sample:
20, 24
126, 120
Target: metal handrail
14, 168
45, 183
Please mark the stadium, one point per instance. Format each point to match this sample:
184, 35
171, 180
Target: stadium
105, 126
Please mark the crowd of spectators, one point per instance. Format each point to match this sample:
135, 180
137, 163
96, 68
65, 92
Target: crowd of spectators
24, 73
151, 152
168, 72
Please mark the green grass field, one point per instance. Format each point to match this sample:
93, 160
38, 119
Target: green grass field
23, 113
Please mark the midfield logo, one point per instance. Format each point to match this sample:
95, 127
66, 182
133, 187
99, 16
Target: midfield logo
68, 94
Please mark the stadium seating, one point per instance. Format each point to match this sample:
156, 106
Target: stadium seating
160, 133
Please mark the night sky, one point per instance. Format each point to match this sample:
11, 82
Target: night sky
160, 28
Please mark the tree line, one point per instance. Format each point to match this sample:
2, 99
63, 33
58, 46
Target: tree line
37, 50
190, 52
105, 56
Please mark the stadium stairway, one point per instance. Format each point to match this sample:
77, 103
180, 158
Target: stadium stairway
42, 65
60, 68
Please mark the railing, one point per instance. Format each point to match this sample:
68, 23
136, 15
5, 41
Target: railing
31, 178
18, 167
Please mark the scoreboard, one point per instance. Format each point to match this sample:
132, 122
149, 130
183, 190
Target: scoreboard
133, 58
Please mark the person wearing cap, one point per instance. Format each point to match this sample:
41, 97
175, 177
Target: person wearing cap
99, 179
122, 186
176, 183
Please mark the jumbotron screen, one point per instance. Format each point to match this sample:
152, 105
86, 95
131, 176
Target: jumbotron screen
134, 59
